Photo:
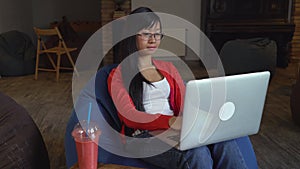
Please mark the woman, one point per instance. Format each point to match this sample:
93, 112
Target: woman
148, 95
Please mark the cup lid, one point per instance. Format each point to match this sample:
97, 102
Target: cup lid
83, 129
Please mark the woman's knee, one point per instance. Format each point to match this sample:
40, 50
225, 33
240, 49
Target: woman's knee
202, 151
226, 146
228, 155
199, 157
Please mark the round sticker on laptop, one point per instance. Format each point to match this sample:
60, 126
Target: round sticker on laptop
226, 111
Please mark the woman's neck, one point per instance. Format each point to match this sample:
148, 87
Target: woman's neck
145, 62
148, 70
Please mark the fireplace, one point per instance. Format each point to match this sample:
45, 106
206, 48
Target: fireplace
226, 20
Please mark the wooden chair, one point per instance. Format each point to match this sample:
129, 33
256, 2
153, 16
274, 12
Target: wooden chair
59, 50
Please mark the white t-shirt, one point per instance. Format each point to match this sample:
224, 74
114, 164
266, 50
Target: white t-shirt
156, 97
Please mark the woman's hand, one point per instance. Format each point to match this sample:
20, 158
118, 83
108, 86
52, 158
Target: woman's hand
175, 122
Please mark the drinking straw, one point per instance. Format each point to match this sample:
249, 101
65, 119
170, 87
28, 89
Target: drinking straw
89, 113
89, 117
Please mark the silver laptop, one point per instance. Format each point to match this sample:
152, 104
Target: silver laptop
219, 109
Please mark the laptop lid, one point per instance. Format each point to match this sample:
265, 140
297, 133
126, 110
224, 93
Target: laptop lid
222, 108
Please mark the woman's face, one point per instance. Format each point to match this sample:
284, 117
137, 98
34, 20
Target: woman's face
148, 40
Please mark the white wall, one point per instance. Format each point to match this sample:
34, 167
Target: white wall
189, 10
47, 11
16, 15
22, 15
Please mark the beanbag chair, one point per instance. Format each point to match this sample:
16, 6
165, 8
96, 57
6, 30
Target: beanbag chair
21, 143
17, 54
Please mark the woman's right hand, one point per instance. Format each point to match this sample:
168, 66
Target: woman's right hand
175, 122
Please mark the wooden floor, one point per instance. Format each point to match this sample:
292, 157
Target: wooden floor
49, 103
278, 143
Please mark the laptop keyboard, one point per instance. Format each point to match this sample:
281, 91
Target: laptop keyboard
174, 137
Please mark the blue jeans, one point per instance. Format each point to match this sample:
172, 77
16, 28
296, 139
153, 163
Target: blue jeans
225, 155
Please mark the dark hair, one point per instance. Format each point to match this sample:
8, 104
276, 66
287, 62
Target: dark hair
132, 78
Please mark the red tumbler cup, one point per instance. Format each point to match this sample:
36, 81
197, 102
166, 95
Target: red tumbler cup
86, 137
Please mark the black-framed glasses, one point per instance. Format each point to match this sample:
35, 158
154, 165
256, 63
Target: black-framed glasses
146, 36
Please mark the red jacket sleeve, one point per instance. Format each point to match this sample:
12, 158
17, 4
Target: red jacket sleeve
127, 112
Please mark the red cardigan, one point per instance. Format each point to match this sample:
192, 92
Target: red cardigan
135, 119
